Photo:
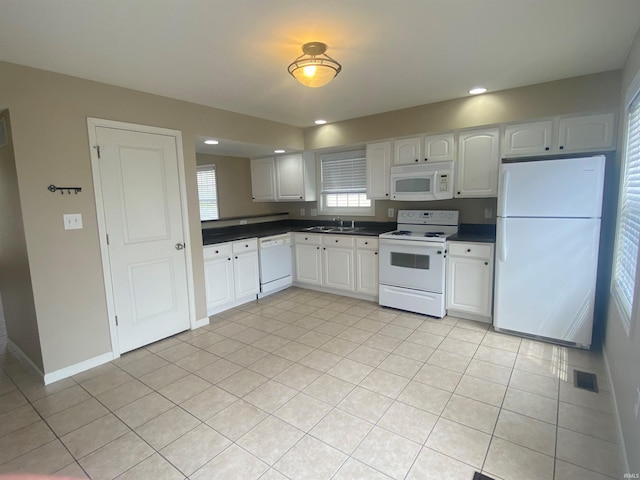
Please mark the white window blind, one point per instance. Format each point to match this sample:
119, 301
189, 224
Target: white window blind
628, 233
344, 172
207, 192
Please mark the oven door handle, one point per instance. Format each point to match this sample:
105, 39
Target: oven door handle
411, 243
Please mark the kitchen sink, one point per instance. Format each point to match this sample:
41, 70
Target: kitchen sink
330, 229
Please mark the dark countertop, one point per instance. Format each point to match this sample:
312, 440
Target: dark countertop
267, 229
474, 232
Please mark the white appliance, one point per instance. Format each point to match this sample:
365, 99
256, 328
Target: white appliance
412, 261
427, 181
548, 234
275, 263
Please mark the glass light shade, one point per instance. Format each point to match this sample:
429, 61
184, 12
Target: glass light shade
314, 69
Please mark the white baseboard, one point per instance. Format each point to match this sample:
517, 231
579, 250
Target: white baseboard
616, 414
201, 323
77, 368
17, 351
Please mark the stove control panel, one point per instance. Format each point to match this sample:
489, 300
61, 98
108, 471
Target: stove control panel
428, 217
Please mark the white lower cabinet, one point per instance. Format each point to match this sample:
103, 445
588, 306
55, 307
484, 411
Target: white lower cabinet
342, 263
231, 274
367, 265
469, 285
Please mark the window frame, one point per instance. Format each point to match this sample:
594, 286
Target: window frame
627, 315
208, 167
323, 208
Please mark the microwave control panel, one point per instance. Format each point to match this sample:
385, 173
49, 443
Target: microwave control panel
443, 182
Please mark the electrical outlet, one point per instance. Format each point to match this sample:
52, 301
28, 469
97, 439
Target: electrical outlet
243, 222
391, 212
72, 221
636, 405
314, 212
302, 212
488, 213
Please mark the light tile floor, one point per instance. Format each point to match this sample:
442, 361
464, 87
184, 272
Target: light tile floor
305, 384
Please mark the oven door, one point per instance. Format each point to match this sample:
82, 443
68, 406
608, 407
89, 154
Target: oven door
412, 264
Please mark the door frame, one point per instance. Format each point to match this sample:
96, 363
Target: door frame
92, 124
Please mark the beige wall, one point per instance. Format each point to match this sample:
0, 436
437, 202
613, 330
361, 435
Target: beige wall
579, 94
49, 117
622, 351
15, 278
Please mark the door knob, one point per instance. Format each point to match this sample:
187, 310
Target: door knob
180, 246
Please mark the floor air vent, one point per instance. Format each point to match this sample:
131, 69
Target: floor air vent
585, 381
480, 476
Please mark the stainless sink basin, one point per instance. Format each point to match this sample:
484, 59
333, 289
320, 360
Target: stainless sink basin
330, 229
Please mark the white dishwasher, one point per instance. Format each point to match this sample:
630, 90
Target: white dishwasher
275, 263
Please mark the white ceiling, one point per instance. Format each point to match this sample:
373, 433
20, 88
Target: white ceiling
233, 54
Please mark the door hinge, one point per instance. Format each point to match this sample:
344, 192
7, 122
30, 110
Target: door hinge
107, 239
116, 320
97, 147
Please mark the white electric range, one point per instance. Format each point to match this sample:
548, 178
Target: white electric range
413, 260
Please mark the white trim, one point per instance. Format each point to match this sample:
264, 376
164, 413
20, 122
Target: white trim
92, 124
632, 91
203, 322
17, 351
235, 303
616, 414
77, 368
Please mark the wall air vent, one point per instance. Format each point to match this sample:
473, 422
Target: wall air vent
3, 133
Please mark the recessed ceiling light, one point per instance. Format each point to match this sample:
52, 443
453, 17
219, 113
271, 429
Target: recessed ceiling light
320, 122
477, 90
211, 142
278, 151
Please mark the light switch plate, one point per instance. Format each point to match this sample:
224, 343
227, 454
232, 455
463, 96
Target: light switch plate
72, 221
391, 212
314, 212
302, 212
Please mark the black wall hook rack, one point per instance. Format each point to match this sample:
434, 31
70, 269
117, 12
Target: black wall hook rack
53, 188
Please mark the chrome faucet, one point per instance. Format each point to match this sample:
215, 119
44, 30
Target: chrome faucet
338, 219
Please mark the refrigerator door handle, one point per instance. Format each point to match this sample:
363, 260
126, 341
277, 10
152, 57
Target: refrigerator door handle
502, 241
502, 207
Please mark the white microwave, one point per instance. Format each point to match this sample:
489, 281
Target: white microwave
427, 181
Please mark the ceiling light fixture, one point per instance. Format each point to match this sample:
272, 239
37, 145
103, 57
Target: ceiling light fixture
278, 151
320, 122
211, 142
314, 68
477, 90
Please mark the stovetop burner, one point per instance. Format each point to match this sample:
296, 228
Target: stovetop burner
434, 234
401, 232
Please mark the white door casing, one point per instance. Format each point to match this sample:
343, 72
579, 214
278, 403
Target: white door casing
141, 204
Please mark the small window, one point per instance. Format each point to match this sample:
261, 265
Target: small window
628, 231
343, 178
207, 192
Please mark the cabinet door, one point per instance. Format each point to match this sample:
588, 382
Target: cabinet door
246, 274
406, 151
378, 164
532, 138
367, 272
439, 148
588, 132
218, 280
263, 179
338, 268
478, 162
469, 285
308, 264
290, 178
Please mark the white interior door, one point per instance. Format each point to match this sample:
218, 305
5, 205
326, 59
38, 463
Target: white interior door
143, 217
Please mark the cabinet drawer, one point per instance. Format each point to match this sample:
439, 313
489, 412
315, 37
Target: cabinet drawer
478, 250
308, 239
248, 245
367, 243
338, 241
217, 250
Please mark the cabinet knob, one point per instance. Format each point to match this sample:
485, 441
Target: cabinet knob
229, 259
324, 248
439, 252
300, 198
386, 194
561, 147
366, 243
486, 263
426, 159
375, 253
217, 251
417, 160
468, 250
306, 238
458, 193
546, 148
236, 257
317, 248
336, 241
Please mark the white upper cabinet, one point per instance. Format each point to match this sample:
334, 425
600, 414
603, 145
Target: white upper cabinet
407, 151
288, 178
523, 139
584, 133
478, 162
587, 132
378, 164
263, 179
438, 148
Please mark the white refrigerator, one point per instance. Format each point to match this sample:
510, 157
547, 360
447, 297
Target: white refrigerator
548, 234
